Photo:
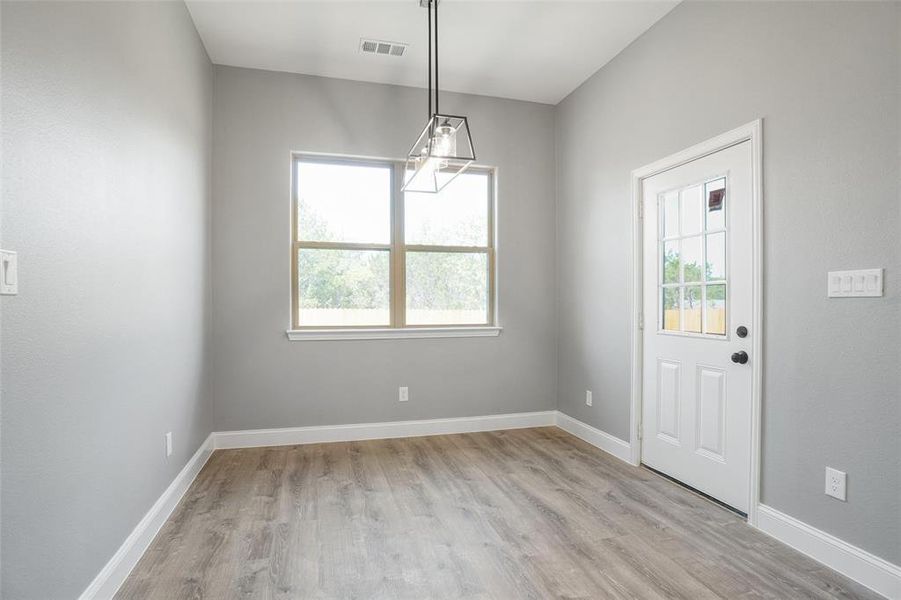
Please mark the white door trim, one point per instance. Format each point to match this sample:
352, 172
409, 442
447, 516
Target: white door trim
752, 132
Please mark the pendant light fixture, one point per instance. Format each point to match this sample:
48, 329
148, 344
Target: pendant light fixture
444, 148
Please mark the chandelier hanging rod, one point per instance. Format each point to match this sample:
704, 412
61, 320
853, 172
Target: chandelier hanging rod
433, 44
435, 2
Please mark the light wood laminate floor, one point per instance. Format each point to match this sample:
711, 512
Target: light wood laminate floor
531, 513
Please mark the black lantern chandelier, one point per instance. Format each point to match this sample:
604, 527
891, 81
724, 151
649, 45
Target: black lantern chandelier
444, 148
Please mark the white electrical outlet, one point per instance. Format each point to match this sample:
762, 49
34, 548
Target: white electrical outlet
168, 444
9, 273
403, 394
587, 397
836, 482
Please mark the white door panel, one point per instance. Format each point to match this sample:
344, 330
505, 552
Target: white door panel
696, 405
711, 411
668, 401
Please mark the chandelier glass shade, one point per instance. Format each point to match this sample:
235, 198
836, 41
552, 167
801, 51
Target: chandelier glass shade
443, 151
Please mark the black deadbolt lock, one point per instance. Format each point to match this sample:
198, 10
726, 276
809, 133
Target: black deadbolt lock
742, 331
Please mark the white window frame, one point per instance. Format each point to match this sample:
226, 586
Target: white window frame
397, 249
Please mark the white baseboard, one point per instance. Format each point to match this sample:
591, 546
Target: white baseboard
601, 439
290, 436
875, 573
114, 573
865, 568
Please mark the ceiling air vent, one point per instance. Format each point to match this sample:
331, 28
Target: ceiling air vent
381, 47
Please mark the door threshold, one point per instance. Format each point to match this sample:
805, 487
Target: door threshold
719, 503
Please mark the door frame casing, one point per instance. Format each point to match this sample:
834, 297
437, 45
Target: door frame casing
751, 132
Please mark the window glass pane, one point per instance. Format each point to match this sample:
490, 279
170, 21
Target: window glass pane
691, 309
447, 288
692, 260
671, 262
715, 196
343, 203
716, 309
670, 210
343, 287
456, 216
691, 210
671, 309
716, 256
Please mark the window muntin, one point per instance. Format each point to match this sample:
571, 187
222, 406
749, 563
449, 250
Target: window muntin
692, 240
366, 254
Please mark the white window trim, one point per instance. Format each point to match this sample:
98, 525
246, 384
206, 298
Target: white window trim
396, 331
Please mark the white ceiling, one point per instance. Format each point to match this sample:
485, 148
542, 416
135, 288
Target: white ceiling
538, 50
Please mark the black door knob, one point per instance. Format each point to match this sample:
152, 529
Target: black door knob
740, 357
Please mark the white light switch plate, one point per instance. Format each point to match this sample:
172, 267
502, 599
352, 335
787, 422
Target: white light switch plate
9, 273
403, 394
863, 283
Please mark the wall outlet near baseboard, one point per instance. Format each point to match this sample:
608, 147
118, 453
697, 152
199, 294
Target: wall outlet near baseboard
836, 482
588, 399
9, 273
403, 394
168, 444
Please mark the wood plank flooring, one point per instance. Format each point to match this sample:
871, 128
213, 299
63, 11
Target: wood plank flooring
530, 513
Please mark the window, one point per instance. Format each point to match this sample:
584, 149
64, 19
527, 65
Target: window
366, 255
692, 246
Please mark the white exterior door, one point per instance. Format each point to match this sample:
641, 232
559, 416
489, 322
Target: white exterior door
697, 294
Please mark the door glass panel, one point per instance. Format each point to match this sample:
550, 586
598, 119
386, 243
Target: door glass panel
691, 308
716, 310
671, 262
715, 197
716, 256
670, 210
693, 262
692, 259
691, 210
670, 315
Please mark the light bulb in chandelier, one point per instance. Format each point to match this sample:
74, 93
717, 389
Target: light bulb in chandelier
445, 140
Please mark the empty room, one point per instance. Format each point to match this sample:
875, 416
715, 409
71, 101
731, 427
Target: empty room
450, 299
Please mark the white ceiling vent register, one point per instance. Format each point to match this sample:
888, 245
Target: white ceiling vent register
382, 47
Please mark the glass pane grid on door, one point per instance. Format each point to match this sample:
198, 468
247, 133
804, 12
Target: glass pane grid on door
692, 259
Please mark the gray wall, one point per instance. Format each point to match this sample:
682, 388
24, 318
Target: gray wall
825, 77
106, 129
261, 379
106, 125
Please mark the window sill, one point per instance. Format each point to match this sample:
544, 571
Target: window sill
309, 335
